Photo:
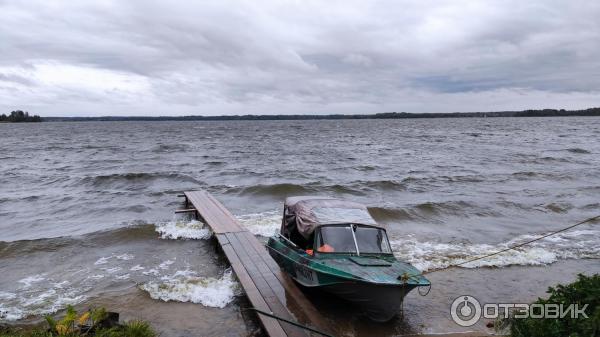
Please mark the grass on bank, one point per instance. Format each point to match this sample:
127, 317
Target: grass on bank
585, 290
90, 323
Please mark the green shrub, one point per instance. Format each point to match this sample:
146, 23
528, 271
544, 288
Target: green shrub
86, 324
585, 290
137, 328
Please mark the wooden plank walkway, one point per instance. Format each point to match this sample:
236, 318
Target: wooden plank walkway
266, 286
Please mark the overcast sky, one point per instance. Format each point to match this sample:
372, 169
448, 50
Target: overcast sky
80, 58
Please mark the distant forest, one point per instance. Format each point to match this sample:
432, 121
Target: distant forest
385, 115
19, 116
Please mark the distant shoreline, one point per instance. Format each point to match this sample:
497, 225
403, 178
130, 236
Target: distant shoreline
386, 115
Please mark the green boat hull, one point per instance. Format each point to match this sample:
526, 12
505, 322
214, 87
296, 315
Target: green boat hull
376, 283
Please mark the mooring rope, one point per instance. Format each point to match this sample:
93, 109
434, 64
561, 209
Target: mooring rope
515, 246
270, 314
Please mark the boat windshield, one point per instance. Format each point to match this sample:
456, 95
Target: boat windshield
372, 240
341, 239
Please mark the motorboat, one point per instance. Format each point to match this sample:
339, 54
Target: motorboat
336, 246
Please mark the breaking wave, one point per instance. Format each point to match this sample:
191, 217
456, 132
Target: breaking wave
97, 261
264, 224
38, 296
579, 244
183, 230
186, 286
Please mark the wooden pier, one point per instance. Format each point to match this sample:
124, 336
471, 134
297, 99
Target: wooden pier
266, 286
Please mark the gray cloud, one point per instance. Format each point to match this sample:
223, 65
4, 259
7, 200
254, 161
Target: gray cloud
150, 57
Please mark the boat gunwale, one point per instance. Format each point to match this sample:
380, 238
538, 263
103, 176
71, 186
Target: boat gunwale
353, 278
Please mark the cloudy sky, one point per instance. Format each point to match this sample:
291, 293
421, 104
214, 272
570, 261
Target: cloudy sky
80, 58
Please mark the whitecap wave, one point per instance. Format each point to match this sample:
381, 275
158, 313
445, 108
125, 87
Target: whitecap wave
122, 277
28, 281
96, 276
105, 259
124, 257
186, 286
5, 295
165, 264
102, 260
10, 313
153, 272
112, 270
264, 224
183, 230
39, 301
430, 255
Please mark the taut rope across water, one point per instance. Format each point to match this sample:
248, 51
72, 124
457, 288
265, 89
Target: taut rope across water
518, 245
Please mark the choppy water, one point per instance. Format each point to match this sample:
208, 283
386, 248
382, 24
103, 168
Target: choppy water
86, 209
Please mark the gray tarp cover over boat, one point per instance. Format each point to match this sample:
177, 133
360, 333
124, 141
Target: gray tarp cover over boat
304, 214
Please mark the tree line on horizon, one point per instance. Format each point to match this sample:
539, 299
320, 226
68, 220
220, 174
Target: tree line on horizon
23, 116
384, 115
19, 116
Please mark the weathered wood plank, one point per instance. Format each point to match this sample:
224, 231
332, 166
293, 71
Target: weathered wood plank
271, 325
233, 221
222, 238
255, 267
251, 243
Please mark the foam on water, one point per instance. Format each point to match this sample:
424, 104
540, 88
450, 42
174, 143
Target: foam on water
106, 259
186, 286
102, 260
124, 257
41, 294
49, 290
428, 255
112, 270
264, 224
44, 298
96, 276
152, 271
122, 277
9, 313
4, 295
28, 281
165, 265
183, 230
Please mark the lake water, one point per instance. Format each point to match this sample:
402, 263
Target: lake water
86, 210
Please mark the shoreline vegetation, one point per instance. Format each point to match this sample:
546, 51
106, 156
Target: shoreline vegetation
385, 115
92, 323
584, 291
19, 116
